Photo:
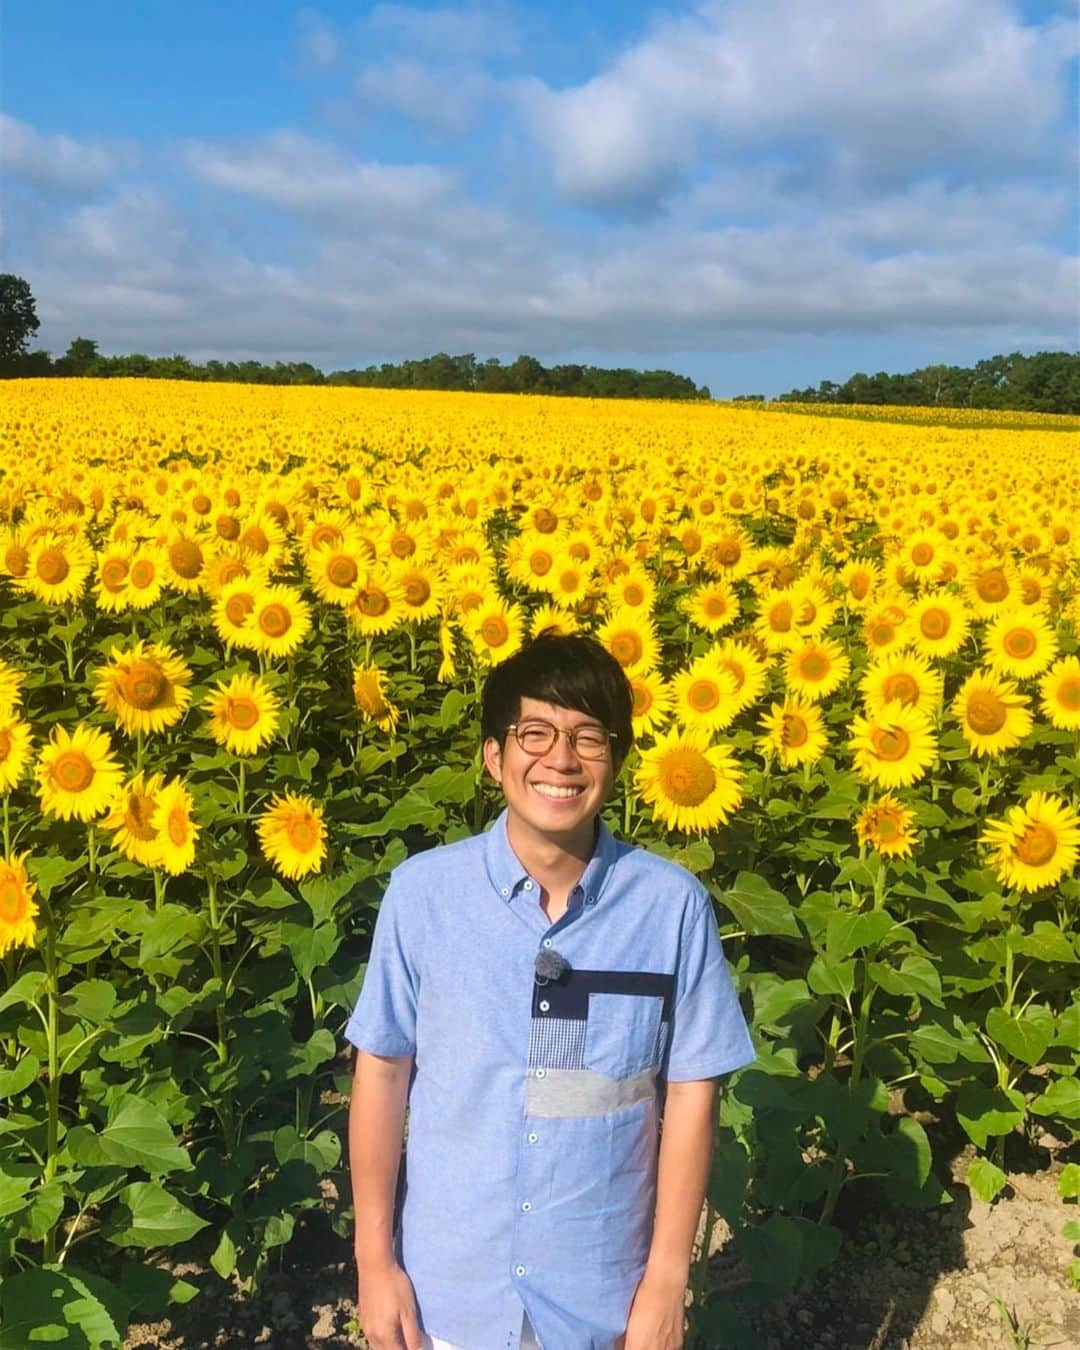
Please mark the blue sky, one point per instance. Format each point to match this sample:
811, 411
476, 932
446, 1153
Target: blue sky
758, 193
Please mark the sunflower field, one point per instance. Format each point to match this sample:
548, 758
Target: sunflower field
242, 636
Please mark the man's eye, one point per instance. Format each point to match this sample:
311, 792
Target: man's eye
535, 735
591, 740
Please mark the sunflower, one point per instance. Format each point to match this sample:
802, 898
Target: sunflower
447, 651
15, 746
1019, 643
131, 817
729, 552
226, 567
17, 907
775, 625
530, 560
652, 701
705, 695
921, 554
631, 638
334, 572
57, 567
495, 629
690, 784
176, 831
1059, 689
145, 688
279, 622
937, 625
569, 583
816, 669
884, 625
901, 677
887, 826
893, 747
749, 672
1036, 844
233, 610
243, 714
11, 679
378, 604
292, 835
185, 562
77, 774
634, 590
111, 578
793, 732
814, 608
263, 535
370, 696
991, 588
421, 590
993, 716
560, 621
712, 607
145, 578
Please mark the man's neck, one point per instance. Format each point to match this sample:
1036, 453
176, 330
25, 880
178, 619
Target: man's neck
556, 863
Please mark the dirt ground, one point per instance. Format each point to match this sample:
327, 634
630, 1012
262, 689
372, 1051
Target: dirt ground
962, 1277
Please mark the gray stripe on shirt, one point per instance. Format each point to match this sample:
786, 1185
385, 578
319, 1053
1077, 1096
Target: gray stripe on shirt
584, 1092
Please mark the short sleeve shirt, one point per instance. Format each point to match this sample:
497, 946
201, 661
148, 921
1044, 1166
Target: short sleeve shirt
535, 1102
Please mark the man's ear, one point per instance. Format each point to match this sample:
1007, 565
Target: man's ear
492, 753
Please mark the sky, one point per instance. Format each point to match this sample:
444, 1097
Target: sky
760, 194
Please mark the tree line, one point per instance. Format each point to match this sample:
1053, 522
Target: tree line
1045, 382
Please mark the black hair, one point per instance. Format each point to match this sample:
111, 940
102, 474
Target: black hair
569, 670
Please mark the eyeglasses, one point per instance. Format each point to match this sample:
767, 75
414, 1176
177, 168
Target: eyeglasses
537, 738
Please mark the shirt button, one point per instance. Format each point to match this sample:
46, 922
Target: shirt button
545, 1006
541, 1073
590, 899
505, 890
547, 942
533, 1137
519, 1270
528, 885
526, 1205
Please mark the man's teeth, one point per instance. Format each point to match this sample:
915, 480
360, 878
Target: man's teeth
550, 790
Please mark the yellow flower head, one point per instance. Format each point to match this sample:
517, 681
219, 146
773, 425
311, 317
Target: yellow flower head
10, 682
937, 625
111, 578
369, 695
712, 607
652, 700
749, 673
901, 677
17, 907
793, 732
887, 826
495, 629
77, 773
378, 603
176, 830
131, 820
690, 784
292, 835
1059, 690
243, 714
814, 670
705, 695
145, 688
57, 567
1019, 643
1036, 844
993, 716
15, 749
894, 747
145, 577
279, 621
630, 637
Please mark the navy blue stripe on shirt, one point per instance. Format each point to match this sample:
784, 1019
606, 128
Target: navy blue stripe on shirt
568, 997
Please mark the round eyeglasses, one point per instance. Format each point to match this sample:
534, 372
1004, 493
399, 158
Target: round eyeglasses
538, 737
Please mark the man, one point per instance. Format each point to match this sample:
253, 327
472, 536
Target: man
539, 996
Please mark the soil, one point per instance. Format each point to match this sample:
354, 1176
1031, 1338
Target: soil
963, 1277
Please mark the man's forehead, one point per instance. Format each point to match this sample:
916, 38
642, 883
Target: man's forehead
556, 713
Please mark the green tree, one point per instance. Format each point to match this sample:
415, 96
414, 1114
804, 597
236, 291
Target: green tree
18, 317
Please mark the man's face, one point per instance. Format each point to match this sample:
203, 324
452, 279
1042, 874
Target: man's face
555, 795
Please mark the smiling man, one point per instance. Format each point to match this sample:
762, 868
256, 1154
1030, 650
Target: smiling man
540, 998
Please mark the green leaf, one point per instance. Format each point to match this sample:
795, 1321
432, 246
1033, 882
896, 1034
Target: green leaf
14, 1195
1069, 1182
43, 1213
1061, 1099
985, 1180
65, 1306
917, 976
323, 1151
759, 909
92, 1000
1026, 1038
986, 1112
1047, 942
223, 1257
310, 948
16, 1080
414, 808
774, 998
965, 801
148, 1216
50, 872
25, 990
929, 815
831, 977
170, 928
849, 932
137, 1135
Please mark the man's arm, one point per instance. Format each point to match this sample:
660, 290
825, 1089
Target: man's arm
686, 1143
387, 1303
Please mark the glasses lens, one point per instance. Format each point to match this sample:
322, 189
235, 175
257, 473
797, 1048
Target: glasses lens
591, 742
536, 738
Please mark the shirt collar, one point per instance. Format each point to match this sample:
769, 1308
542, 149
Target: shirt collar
506, 871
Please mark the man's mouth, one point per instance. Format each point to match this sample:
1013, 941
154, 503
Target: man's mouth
554, 791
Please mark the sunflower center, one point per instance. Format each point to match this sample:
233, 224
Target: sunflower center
794, 732
890, 743
1068, 693
686, 776
580, 552
186, 558
934, 623
540, 562
715, 607
275, 620
323, 534
634, 594
228, 527
1038, 845
691, 541
201, 504
342, 571
52, 566
417, 592
237, 608
231, 570
73, 771
403, 546
922, 554
16, 560
368, 696
6, 742
372, 602
303, 832
145, 685
881, 634
242, 713
703, 696
547, 522
627, 648
728, 552
992, 586
814, 665
254, 538
143, 573
178, 826
643, 699
900, 687
114, 574
13, 901
138, 816
494, 630
887, 827
986, 713
781, 616
1020, 643
570, 581
859, 585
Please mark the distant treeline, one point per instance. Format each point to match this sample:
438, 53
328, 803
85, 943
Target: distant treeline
1047, 382
526, 375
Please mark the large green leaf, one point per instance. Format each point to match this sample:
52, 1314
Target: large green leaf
774, 998
65, 1307
1026, 1037
917, 977
1061, 1099
831, 977
987, 1112
146, 1215
16, 1080
323, 1151
759, 909
137, 1135
26, 989
985, 1179
849, 932
1047, 942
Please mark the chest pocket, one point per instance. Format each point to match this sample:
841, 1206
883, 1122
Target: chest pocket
622, 1032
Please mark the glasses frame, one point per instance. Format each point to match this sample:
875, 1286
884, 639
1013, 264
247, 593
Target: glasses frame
571, 735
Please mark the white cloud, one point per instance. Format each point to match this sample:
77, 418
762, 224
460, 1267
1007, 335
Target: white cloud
450, 31
444, 100
875, 91
320, 46
56, 163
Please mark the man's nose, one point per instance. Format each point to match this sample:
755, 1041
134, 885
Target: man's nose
562, 754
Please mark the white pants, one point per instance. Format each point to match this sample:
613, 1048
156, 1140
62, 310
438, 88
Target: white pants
528, 1340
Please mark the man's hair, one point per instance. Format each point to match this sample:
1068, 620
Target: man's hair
571, 671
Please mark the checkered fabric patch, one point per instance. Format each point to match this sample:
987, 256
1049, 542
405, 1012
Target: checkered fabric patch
557, 1043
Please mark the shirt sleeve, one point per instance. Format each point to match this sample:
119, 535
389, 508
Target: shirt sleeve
384, 1019
708, 1034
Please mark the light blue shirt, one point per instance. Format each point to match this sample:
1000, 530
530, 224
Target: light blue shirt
534, 1107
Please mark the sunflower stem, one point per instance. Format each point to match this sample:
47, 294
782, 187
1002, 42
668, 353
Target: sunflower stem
412, 650
91, 849
140, 750
241, 786
160, 882
224, 1108
7, 825
52, 1079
